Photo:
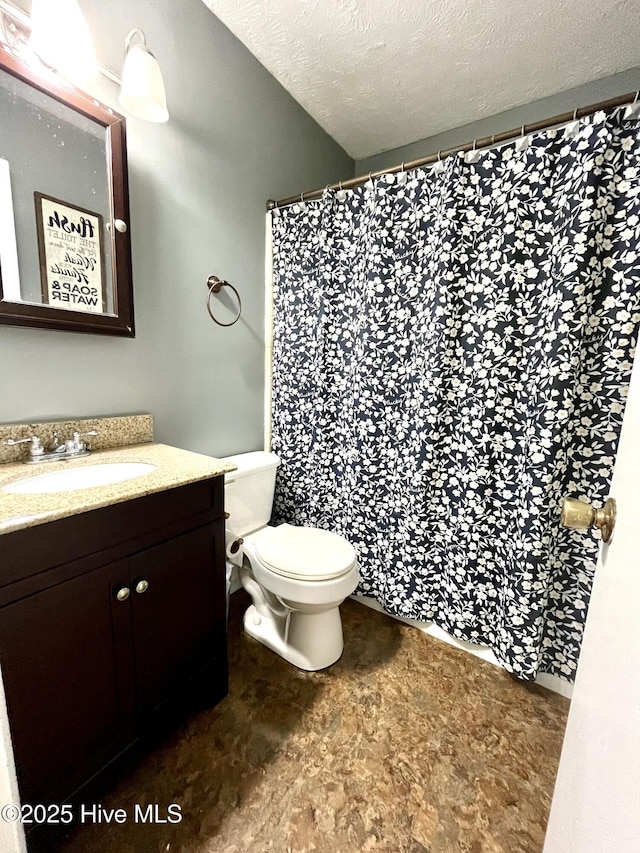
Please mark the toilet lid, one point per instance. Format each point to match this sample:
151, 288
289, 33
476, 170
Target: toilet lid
305, 553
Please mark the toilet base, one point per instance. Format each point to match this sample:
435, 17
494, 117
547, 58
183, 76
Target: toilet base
309, 641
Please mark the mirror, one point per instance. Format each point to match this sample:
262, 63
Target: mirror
65, 250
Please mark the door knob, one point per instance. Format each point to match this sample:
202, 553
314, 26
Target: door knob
142, 586
579, 515
123, 593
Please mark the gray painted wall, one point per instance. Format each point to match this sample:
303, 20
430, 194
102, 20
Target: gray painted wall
581, 96
198, 187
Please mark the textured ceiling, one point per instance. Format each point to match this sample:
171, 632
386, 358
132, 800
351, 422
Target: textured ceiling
376, 74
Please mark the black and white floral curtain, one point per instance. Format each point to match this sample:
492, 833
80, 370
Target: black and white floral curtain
452, 349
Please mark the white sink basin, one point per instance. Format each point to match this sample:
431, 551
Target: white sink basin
83, 477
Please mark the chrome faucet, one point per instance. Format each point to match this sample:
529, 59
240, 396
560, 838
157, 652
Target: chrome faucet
72, 448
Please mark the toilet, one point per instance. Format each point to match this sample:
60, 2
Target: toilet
297, 577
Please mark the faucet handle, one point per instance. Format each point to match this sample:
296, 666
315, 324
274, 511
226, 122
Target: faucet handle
77, 444
36, 448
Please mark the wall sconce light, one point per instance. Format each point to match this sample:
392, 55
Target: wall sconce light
56, 36
60, 38
142, 91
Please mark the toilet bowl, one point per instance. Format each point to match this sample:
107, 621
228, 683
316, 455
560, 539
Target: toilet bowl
297, 577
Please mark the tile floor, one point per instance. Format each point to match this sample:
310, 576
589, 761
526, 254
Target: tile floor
406, 745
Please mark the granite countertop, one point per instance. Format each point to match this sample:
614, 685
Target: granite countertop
175, 467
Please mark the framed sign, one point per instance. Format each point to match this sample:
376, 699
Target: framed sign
72, 270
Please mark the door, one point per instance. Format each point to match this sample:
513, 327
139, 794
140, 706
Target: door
68, 681
596, 802
178, 601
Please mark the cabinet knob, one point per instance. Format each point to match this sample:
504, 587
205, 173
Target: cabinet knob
123, 593
142, 586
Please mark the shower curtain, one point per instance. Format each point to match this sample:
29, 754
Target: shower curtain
451, 354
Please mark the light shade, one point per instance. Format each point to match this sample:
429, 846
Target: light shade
142, 91
60, 38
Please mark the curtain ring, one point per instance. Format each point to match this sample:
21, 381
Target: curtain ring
575, 114
439, 157
402, 166
215, 285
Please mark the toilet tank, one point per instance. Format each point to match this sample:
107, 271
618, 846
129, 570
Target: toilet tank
248, 492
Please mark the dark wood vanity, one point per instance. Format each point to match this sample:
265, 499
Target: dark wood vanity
110, 621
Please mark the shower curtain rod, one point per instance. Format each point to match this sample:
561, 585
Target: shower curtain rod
485, 142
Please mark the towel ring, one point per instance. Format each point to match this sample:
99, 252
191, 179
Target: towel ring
215, 285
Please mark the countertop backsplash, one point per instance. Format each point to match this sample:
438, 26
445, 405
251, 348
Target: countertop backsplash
112, 432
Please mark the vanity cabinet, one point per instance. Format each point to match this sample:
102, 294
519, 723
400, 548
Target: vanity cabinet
110, 622
69, 682
173, 630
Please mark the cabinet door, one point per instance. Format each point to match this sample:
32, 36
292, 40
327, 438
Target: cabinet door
68, 676
179, 619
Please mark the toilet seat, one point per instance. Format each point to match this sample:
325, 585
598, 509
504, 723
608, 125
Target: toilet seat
304, 553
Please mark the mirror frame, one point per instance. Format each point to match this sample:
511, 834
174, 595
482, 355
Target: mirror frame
43, 316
